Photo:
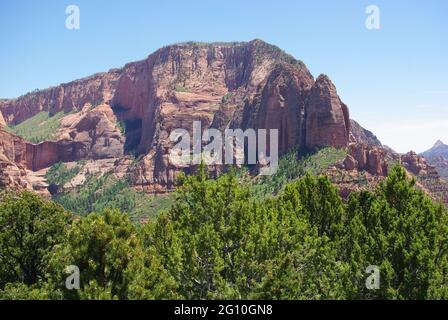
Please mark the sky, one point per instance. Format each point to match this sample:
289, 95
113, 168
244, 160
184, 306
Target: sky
394, 79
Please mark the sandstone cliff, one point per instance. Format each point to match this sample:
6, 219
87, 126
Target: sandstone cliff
2, 121
438, 157
327, 118
127, 111
360, 135
366, 165
13, 161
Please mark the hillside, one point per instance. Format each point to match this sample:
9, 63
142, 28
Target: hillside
438, 157
113, 126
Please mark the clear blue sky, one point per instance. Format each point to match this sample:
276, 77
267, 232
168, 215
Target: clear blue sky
394, 80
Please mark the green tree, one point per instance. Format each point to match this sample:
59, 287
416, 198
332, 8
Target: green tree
102, 246
148, 272
107, 248
30, 229
205, 230
320, 204
219, 243
401, 230
301, 226
20, 291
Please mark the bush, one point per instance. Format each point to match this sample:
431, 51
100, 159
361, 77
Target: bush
218, 242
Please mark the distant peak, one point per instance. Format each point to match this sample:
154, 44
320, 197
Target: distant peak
324, 81
323, 78
258, 41
438, 144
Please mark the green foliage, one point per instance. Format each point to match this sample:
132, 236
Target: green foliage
264, 49
103, 246
20, 291
122, 127
218, 242
30, 228
179, 88
106, 191
402, 231
227, 97
210, 44
59, 174
39, 128
294, 165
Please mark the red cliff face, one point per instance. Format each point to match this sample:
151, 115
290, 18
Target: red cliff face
65, 97
370, 158
360, 135
280, 105
414, 163
327, 118
237, 85
2, 121
14, 160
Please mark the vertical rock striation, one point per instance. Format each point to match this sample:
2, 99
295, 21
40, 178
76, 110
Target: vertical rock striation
223, 85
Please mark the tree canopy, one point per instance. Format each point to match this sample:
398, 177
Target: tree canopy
217, 241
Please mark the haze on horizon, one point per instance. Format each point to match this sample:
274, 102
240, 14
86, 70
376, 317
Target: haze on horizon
393, 79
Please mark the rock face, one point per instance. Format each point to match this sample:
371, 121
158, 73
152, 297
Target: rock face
2, 121
65, 97
427, 176
441, 165
15, 158
366, 165
437, 156
223, 85
414, 163
370, 158
360, 135
326, 110
18, 158
438, 150
93, 134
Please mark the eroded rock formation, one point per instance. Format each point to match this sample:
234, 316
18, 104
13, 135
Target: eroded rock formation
327, 118
223, 85
370, 158
360, 135
13, 161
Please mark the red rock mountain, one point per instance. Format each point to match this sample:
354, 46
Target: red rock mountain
118, 120
236, 85
365, 165
438, 157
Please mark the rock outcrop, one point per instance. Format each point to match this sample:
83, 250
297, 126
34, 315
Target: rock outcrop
65, 97
223, 85
437, 156
14, 161
94, 133
414, 163
427, 176
370, 158
2, 121
366, 165
360, 135
441, 164
327, 118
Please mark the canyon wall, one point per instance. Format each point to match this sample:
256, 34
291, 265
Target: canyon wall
223, 85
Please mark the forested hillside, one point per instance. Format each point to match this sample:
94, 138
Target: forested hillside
219, 241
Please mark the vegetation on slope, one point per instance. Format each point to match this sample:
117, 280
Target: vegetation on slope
99, 192
38, 128
217, 242
59, 174
179, 88
294, 165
